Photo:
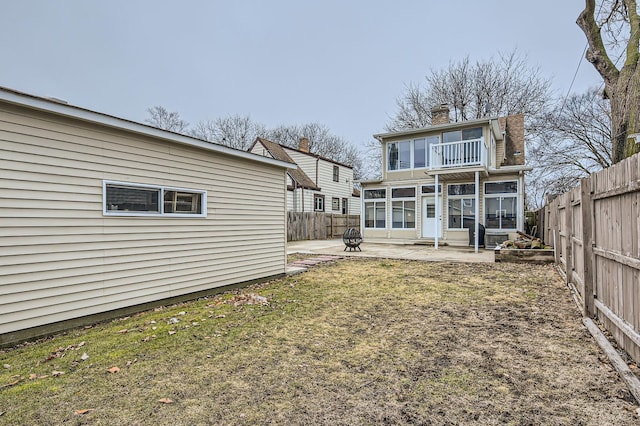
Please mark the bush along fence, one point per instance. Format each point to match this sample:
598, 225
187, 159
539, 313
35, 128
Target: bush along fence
318, 225
595, 230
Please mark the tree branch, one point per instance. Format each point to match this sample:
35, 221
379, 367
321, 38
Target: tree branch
634, 33
596, 53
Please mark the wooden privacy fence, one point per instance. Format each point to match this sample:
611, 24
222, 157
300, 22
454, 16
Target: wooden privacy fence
319, 226
595, 230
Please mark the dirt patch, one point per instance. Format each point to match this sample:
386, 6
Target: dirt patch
353, 342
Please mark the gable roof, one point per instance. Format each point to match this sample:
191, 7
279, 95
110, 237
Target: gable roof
277, 152
320, 157
61, 108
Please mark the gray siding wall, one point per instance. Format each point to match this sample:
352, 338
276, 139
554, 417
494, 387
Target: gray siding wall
60, 258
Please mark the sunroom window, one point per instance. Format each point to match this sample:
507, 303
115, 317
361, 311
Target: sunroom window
501, 205
375, 208
461, 205
403, 207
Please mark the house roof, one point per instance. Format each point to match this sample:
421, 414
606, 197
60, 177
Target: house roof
492, 121
311, 154
62, 108
277, 152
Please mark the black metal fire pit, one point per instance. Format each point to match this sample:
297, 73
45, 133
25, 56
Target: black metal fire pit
352, 239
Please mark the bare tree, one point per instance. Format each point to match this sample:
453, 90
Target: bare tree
235, 131
502, 86
161, 118
615, 28
573, 141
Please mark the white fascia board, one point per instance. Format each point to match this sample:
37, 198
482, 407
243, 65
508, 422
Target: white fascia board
55, 107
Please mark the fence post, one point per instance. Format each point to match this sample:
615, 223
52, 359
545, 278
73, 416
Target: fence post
569, 231
586, 207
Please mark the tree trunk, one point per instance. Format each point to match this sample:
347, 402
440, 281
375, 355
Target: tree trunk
625, 117
622, 87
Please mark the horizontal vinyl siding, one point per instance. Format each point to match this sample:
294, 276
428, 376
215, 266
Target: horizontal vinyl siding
60, 258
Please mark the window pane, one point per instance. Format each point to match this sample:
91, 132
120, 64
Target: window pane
133, 199
452, 136
369, 215
475, 133
431, 140
380, 215
501, 187
182, 202
462, 189
509, 210
431, 189
403, 192
335, 203
419, 153
455, 213
392, 156
409, 214
397, 215
404, 155
431, 210
375, 193
468, 213
492, 213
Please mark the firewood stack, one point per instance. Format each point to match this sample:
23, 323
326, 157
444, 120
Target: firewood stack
525, 241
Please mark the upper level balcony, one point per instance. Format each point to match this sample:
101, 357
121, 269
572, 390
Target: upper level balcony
429, 155
450, 155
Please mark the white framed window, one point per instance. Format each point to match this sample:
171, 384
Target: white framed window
501, 205
403, 208
336, 174
318, 203
375, 215
461, 205
135, 199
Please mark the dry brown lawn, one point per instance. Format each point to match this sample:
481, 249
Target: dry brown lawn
349, 343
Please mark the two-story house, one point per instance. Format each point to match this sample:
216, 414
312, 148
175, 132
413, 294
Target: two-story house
318, 184
441, 180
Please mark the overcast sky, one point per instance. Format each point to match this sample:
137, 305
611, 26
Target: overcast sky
337, 62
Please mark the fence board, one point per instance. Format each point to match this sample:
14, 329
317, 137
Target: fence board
318, 225
596, 228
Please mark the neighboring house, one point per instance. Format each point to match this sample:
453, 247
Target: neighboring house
438, 181
318, 184
101, 216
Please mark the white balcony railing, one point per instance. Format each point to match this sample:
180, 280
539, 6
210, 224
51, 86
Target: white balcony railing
458, 154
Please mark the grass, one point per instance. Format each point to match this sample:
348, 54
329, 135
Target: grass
354, 342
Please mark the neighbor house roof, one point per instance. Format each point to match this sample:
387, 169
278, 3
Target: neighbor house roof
277, 152
62, 108
311, 154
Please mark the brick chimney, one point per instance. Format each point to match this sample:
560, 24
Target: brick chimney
303, 145
440, 114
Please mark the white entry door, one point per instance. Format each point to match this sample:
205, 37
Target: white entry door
429, 217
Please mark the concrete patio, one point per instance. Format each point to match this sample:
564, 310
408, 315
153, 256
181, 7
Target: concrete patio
389, 250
